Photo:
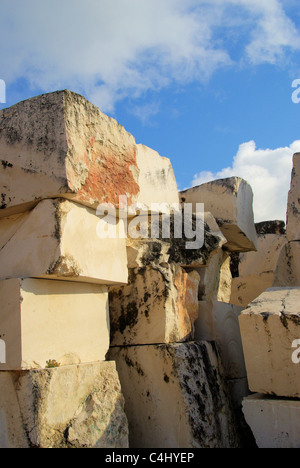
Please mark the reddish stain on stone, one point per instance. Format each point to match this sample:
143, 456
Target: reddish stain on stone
110, 175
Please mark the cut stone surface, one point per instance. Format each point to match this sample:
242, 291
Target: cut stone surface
216, 278
287, 272
79, 406
219, 322
246, 289
270, 327
231, 202
61, 145
175, 396
156, 179
275, 422
269, 247
159, 305
58, 240
43, 320
257, 271
293, 209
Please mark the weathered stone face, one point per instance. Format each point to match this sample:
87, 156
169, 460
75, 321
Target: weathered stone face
269, 327
287, 273
42, 320
258, 270
58, 240
159, 305
216, 278
175, 396
218, 322
66, 407
231, 202
293, 209
60, 145
275, 422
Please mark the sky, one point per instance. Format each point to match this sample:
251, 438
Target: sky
212, 85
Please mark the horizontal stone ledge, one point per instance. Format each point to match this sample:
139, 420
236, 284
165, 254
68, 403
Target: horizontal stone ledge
59, 239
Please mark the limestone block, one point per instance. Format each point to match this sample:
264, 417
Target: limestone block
287, 272
269, 247
216, 278
59, 239
156, 179
293, 209
166, 250
159, 305
257, 270
43, 320
79, 406
270, 327
60, 145
275, 422
247, 288
218, 322
174, 396
231, 202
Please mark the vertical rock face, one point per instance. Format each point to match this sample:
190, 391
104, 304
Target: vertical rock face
218, 322
67, 407
293, 209
159, 305
175, 396
258, 271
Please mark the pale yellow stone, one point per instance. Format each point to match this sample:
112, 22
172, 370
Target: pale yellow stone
59, 239
219, 322
293, 209
175, 396
159, 305
275, 422
265, 260
246, 289
43, 320
231, 202
79, 406
216, 278
270, 327
287, 272
156, 179
61, 145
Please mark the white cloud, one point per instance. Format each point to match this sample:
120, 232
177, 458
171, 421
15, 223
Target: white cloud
268, 171
108, 50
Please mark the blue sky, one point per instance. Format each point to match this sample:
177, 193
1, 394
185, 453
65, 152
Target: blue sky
206, 83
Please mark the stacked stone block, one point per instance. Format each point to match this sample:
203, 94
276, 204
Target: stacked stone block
61, 158
270, 329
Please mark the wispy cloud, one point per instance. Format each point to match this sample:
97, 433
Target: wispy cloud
269, 173
111, 50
